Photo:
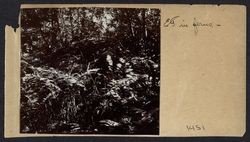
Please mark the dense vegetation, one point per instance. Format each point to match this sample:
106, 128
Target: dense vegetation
90, 71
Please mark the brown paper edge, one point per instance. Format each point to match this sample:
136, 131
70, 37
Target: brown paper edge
12, 71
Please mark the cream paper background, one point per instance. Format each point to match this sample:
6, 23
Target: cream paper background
203, 75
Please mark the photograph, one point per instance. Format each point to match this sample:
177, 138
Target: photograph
90, 70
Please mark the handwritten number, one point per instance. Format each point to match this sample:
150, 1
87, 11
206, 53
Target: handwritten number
195, 127
170, 22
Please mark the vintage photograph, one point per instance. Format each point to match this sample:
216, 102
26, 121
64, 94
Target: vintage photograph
89, 70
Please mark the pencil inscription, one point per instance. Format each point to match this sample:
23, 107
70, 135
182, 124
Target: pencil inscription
170, 22
195, 127
195, 23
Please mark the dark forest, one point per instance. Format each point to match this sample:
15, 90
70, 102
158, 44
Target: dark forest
90, 71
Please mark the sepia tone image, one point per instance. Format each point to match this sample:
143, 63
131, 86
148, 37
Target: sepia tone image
90, 71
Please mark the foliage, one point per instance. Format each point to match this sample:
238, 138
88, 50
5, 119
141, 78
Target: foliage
90, 70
